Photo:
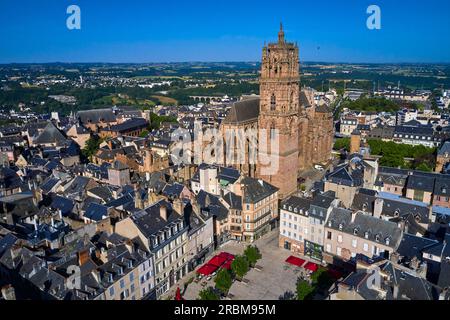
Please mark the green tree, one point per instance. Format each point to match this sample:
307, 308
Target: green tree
252, 254
321, 278
92, 146
304, 290
342, 143
207, 294
424, 167
240, 266
144, 133
156, 120
223, 280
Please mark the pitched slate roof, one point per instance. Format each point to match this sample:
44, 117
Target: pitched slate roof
412, 246
50, 134
96, 116
233, 200
211, 204
64, 204
173, 190
96, 212
296, 205
348, 174
442, 187
341, 219
255, 190
128, 125
444, 149
396, 206
149, 221
364, 200
243, 111
420, 183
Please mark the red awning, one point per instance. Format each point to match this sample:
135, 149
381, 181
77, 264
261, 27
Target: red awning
311, 266
227, 265
295, 261
217, 261
207, 269
226, 255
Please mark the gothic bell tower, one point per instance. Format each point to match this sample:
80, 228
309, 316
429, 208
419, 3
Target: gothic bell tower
279, 110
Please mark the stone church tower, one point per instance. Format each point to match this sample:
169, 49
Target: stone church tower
279, 109
285, 111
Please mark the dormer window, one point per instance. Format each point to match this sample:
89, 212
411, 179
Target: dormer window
341, 226
366, 235
110, 277
355, 231
397, 213
130, 264
290, 208
388, 240
329, 223
377, 238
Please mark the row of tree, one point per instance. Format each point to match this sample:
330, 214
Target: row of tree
394, 154
224, 278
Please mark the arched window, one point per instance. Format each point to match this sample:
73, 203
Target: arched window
272, 131
273, 103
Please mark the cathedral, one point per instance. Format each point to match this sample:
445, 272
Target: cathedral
305, 132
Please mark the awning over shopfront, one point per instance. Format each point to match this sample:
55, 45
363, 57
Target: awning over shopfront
217, 261
207, 269
295, 261
311, 266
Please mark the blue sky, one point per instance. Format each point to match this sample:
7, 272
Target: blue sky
218, 30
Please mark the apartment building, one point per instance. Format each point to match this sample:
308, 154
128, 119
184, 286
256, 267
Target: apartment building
348, 234
259, 209
162, 229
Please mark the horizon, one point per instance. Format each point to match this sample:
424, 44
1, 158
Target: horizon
412, 32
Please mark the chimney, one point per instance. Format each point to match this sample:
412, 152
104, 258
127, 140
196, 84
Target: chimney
395, 291
443, 294
83, 257
422, 271
163, 212
395, 257
8, 292
178, 206
35, 223
129, 245
414, 264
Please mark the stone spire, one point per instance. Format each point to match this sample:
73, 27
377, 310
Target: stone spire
281, 34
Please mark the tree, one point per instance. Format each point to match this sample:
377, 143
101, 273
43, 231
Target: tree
92, 146
207, 294
304, 290
424, 167
342, 143
321, 278
252, 254
144, 133
223, 280
287, 295
240, 266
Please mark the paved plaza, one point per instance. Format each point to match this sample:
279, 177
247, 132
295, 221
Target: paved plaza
275, 278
